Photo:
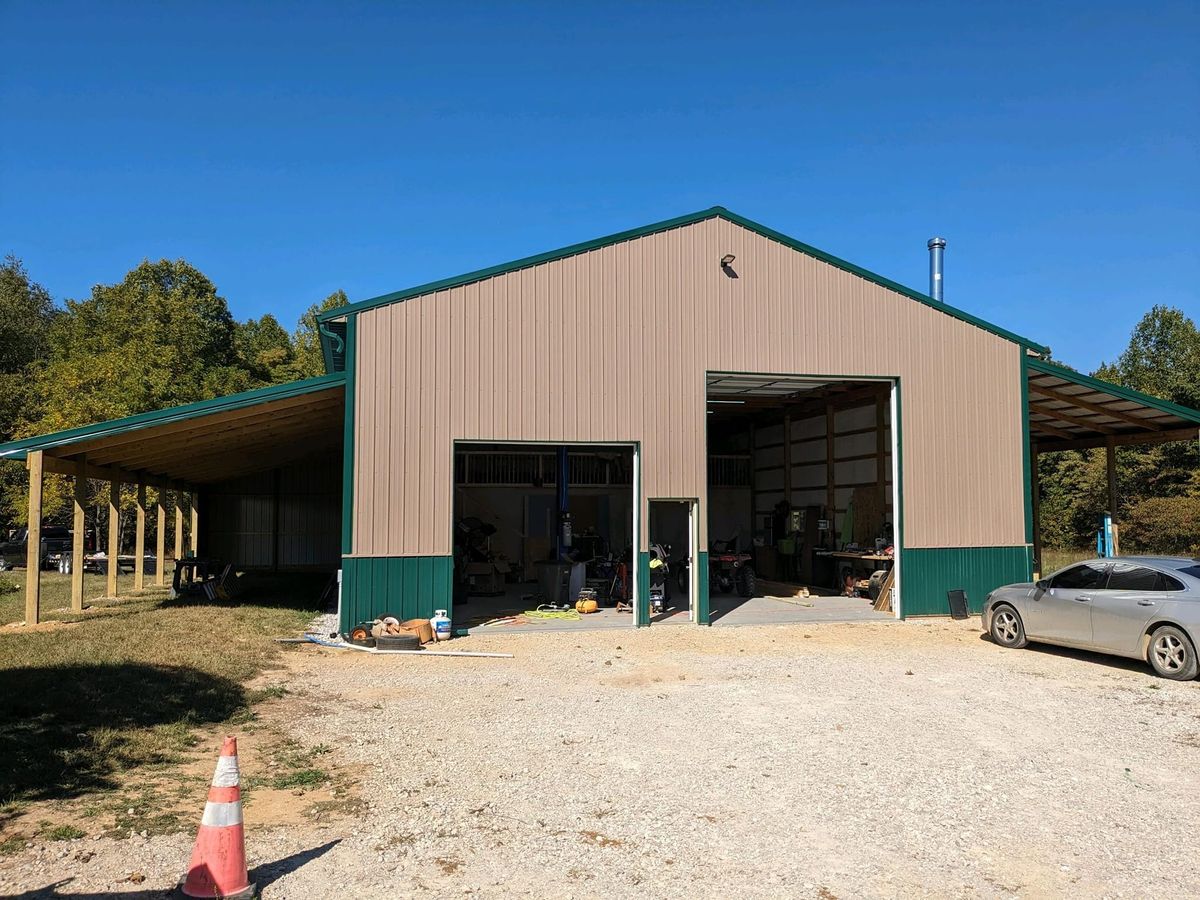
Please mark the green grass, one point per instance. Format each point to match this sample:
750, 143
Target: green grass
301, 778
1053, 560
121, 692
63, 833
56, 593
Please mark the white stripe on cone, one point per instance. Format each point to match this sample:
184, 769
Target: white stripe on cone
221, 815
227, 772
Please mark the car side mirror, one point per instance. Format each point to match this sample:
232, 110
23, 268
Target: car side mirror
1042, 584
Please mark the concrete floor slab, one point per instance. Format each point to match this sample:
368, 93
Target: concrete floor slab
727, 610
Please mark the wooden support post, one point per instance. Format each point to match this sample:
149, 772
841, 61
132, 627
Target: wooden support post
178, 546
114, 535
1036, 496
160, 541
139, 541
194, 537
33, 549
77, 539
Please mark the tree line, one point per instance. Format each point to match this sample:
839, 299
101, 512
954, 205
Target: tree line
160, 337
164, 336
1158, 487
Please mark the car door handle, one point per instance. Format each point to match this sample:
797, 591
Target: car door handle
1084, 599
1147, 603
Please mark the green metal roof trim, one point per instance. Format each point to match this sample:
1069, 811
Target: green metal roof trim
1124, 393
678, 222
18, 449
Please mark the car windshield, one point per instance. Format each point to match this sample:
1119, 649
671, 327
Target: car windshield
1193, 570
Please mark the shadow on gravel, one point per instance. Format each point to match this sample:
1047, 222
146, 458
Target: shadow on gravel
269, 873
1089, 656
266, 874
70, 729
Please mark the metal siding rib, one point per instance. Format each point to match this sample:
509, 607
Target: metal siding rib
646, 383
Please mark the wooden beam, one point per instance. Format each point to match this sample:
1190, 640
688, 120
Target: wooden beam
177, 548
33, 546
114, 535
1070, 418
1050, 429
60, 466
264, 410
133, 456
139, 541
1121, 414
79, 529
186, 459
1122, 440
194, 537
160, 542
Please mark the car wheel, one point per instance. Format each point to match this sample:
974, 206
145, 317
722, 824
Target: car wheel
1007, 628
1172, 654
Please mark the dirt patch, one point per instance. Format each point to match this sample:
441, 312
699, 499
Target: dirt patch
787, 761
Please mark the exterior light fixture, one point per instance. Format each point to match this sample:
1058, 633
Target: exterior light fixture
727, 260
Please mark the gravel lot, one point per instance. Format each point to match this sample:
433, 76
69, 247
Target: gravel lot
813, 761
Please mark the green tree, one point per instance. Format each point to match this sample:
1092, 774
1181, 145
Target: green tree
1163, 360
265, 350
309, 361
26, 313
160, 337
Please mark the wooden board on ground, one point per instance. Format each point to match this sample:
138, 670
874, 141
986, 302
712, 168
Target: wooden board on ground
769, 588
883, 603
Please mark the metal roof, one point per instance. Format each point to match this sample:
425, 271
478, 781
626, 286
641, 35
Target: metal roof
1072, 411
202, 442
679, 222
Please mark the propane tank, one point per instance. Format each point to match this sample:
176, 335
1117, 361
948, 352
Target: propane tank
441, 625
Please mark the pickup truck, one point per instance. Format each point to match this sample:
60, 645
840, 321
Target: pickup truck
55, 539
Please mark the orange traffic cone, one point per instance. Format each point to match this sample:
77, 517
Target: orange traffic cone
218, 867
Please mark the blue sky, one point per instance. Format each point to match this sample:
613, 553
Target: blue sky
291, 149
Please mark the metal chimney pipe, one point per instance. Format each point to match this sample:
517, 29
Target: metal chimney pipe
937, 247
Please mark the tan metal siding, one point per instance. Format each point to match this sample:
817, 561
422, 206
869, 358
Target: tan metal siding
613, 344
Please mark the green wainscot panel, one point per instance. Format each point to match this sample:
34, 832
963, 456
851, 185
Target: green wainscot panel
926, 575
699, 584
408, 587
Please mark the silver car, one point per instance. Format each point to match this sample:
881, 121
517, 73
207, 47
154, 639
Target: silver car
1142, 607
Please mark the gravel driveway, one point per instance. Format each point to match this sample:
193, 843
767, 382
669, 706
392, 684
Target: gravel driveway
864, 759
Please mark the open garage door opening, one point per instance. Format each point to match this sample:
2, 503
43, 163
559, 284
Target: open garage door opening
543, 536
801, 499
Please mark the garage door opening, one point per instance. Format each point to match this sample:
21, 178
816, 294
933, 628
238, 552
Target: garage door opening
801, 499
540, 530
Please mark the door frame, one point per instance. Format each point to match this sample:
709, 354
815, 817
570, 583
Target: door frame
693, 549
896, 426
636, 511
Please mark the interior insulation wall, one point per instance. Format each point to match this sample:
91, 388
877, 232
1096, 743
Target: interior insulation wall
613, 345
855, 435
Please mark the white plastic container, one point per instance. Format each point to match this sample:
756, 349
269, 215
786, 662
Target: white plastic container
440, 623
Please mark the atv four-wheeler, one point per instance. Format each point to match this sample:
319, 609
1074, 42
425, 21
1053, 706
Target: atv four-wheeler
729, 571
